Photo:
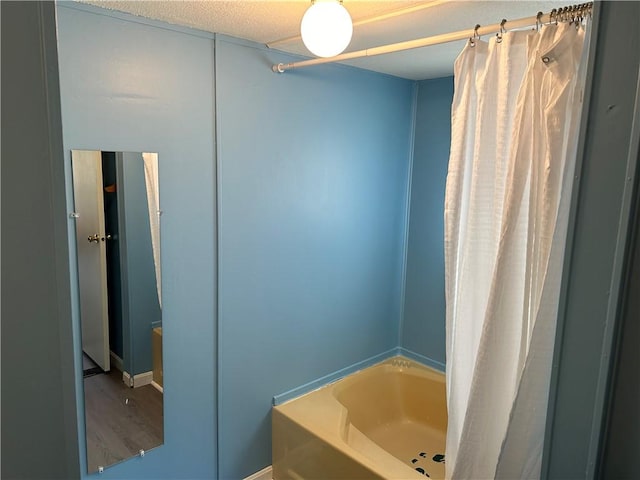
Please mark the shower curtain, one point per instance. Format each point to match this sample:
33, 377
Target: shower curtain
515, 118
150, 161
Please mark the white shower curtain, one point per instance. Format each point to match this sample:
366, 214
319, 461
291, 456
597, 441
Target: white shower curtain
150, 161
515, 115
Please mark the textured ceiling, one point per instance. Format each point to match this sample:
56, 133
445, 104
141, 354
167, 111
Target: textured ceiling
267, 21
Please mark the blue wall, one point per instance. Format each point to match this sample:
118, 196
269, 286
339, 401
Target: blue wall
127, 86
141, 305
311, 196
134, 311
313, 170
423, 326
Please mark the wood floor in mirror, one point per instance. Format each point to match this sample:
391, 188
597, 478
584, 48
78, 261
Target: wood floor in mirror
120, 421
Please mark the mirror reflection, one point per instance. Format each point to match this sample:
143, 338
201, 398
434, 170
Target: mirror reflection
117, 213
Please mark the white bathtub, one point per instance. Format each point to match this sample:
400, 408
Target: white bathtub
388, 421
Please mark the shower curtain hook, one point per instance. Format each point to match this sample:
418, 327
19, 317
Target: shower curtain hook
502, 30
577, 16
585, 12
539, 21
472, 39
572, 12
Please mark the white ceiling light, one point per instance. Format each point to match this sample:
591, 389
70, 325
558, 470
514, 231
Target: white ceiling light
326, 28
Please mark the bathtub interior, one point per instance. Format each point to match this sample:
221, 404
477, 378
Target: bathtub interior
401, 407
389, 419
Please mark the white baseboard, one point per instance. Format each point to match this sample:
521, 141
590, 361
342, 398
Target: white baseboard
116, 361
264, 474
142, 379
157, 387
139, 380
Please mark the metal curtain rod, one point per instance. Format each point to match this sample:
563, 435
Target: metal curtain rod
566, 14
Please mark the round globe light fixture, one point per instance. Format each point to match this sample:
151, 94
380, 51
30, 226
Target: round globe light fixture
326, 28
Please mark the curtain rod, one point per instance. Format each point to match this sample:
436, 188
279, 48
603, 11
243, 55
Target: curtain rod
371, 19
564, 14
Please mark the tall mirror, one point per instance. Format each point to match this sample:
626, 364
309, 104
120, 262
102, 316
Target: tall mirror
117, 215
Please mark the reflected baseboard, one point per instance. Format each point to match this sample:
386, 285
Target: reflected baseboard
157, 386
264, 474
116, 361
139, 380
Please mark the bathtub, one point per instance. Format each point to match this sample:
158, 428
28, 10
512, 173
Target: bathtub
388, 421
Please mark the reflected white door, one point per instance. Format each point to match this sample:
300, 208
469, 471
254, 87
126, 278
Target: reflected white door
92, 260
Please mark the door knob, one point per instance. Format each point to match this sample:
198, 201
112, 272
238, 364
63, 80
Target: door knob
93, 238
